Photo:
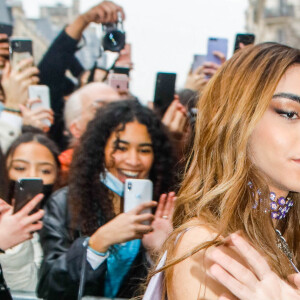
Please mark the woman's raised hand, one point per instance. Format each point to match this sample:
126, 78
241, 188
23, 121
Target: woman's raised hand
19, 227
161, 224
123, 228
255, 281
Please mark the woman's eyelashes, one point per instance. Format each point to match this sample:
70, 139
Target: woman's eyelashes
19, 168
288, 114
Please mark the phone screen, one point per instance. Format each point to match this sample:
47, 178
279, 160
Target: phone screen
25, 190
164, 91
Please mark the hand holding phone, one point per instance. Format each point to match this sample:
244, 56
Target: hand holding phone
198, 61
216, 45
41, 93
243, 39
20, 49
17, 228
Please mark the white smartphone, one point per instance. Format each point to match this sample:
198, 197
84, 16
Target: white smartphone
41, 92
137, 191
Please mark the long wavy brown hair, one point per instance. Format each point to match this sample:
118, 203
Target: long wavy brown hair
215, 186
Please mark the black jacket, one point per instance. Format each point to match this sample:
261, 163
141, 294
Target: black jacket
63, 253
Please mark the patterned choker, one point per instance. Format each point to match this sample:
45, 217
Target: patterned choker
280, 206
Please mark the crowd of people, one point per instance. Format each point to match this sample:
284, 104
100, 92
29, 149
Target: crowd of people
224, 161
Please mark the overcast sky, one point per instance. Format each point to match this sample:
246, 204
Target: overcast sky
166, 33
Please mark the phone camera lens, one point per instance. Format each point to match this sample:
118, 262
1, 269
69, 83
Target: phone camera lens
129, 186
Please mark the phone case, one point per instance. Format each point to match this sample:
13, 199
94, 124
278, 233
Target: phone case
41, 92
164, 91
19, 49
199, 60
137, 191
119, 82
25, 190
216, 44
245, 38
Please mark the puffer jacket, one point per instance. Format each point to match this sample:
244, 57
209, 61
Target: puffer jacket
63, 254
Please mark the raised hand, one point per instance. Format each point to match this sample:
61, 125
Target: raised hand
175, 117
15, 82
19, 227
161, 224
36, 117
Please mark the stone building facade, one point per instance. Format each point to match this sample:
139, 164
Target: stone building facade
274, 20
44, 29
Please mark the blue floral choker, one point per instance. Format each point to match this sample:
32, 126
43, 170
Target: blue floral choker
280, 206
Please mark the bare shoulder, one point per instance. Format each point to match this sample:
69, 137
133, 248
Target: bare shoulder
190, 279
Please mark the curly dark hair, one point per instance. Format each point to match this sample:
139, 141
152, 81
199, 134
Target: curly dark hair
89, 199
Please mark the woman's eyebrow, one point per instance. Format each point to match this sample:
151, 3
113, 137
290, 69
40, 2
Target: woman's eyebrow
20, 160
290, 96
141, 145
45, 163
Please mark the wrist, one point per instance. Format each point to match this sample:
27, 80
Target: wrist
11, 105
76, 29
99, 241
12, 110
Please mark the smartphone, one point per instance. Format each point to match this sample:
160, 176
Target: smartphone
25, 190
245, 39
137, 191
6, 28
121, 70
216, 44
164, 91
41, 92
19, 49
198, 61
120, 82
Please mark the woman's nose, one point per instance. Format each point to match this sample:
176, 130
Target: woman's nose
32, 172
133, 158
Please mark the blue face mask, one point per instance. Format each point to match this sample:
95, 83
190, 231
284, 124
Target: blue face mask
112, 182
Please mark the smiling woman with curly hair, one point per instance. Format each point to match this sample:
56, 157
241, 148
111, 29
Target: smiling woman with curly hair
125, 140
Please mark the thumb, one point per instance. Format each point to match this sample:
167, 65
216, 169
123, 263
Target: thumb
23, 109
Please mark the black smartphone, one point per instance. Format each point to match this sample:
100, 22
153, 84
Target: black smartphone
164, 91
19, 49
25, 190
6, 28
245, 39
121, 70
